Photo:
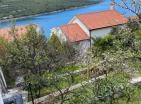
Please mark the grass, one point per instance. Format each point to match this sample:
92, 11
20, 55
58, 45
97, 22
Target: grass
59, 82
19, 8
67, 69
115, 77
63, 83
81, 95
135, 99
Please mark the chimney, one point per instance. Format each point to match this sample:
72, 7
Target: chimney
112, 5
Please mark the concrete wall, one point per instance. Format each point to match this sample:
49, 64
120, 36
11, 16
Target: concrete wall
100, 32
82, 46
1, 99
76, 20
60, 34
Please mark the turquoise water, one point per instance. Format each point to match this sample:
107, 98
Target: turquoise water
48, 21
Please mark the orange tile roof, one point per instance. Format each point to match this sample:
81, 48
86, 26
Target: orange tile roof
102, 19
5, 32
74, 33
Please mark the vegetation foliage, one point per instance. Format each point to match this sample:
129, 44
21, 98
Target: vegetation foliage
119, 52
40, 61
32, 54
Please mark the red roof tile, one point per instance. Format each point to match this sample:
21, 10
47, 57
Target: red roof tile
74, 33
102, 19
5, 32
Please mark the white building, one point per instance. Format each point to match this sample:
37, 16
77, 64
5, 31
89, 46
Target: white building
73, 34
82, 28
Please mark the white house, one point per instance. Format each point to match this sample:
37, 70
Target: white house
73, 34
97, 24
82, 28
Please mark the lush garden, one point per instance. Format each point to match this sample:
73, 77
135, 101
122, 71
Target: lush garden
48, 66
118, 55
114, 89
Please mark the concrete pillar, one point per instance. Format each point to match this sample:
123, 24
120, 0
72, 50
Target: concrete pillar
1, 100
2, 82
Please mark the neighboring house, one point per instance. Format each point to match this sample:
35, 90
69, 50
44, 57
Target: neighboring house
73, 34
6, 33
97, 24
82, 28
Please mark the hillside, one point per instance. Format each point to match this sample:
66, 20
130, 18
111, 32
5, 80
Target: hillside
19, 8
45, 67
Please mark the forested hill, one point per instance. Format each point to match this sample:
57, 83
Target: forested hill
19, 8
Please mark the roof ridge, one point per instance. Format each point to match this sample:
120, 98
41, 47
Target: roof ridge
96, 12
101, 21
68, 24
74, 32
16, 26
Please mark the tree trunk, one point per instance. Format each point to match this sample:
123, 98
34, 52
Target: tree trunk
30, 89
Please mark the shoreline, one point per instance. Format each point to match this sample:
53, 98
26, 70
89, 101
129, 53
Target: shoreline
47, 13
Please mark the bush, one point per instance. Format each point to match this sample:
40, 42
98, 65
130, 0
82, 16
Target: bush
104, 42
133, 25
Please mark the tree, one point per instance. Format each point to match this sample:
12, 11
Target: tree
119, 53
132, 5
31, 56
108, 90
27, 54
58, 82
59, 54
133, 25
2, 48
4, 61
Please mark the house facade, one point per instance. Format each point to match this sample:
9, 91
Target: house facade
73, 34
82, 28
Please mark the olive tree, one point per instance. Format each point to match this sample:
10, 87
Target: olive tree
25, 55
59, 53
